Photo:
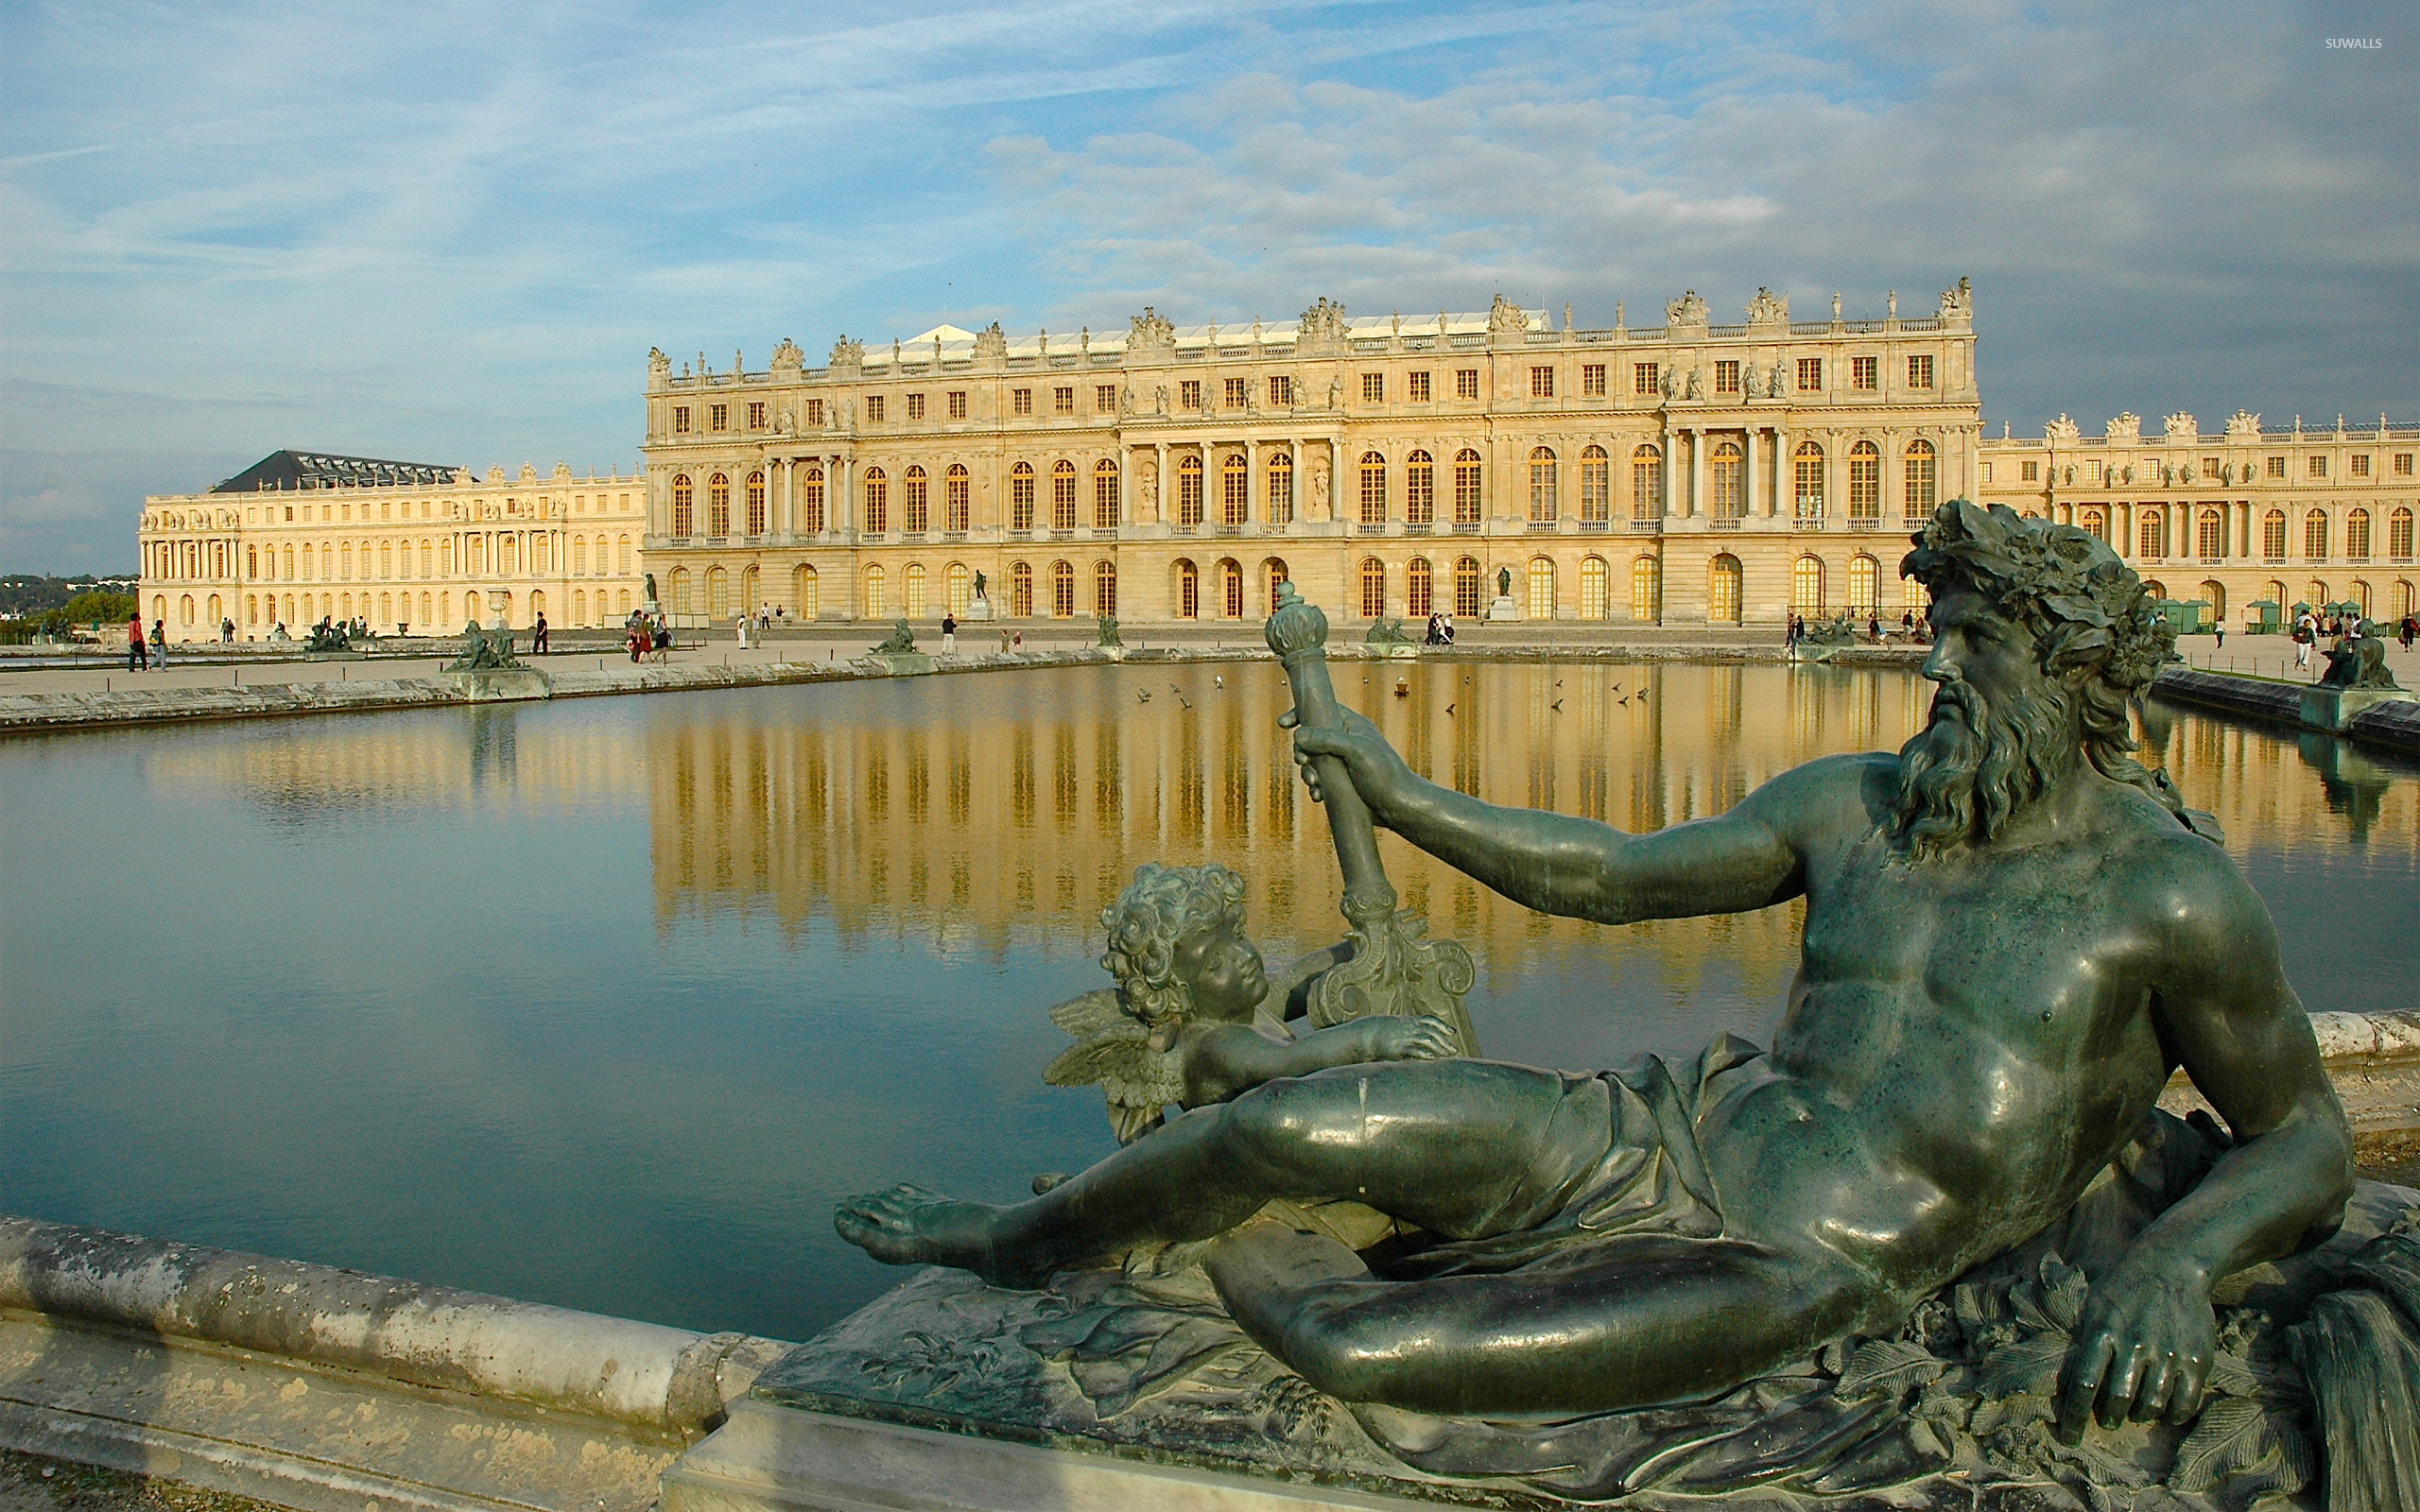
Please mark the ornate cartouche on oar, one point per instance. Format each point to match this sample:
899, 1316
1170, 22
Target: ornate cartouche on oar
1394, 968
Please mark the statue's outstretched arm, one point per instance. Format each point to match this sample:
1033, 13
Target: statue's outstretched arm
2225, 1013
1748, 858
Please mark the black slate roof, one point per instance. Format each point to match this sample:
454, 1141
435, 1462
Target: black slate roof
319, 470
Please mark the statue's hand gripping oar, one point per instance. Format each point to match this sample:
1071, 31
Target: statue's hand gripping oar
1394, 968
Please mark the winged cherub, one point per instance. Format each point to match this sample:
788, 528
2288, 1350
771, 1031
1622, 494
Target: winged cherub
1178, 1026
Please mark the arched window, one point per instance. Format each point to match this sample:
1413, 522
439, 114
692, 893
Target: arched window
2151, 531
1021, 496
1231, 588
1865, 582
1596, 589
1105, 587
1274, 573
1726, 482
1646, 482
875, 607
1806, 480
811, 500
918, 501
1466, 586
2357, 535
2315, 534
2403, 598
1062, 589
806, 589
1373, 490
1543, 498
1189, 591
1419, 588
1105, 495
1922, 478
621, 555
718, 506
876, 516
1722, 589
1189, 492
2398, 535
2211, 531
1540, 588
2358, 592
1021, 590
957, 588
1374, 588
754, 500
953, 489
2213, 594
2315, 593
1234, 492
1806, 585
1865, 481
1420, 491
717, 594
2273, 537
1646, 590
579, 555
684, 504
1062, 497
2094, 521
915, 591
748, 590
1466, 490
1596, 491
1281, 488
184, 609
679, 583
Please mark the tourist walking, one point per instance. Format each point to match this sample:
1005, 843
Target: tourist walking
538, 636
138, 659
2305, 631
949, 633
2411, 629
160, 642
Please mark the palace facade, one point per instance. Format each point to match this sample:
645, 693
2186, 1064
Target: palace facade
1388, 465
301, 537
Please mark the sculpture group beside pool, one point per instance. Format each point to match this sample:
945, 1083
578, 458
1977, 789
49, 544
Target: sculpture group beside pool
1939, 1239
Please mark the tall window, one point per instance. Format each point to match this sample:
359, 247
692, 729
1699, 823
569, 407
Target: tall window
1234, 491
1281, 488
1467, 487
755, 501
918, 503
2212, 531
2398, 534
1806, 474
1466, 383
1373, 490
874, 597
1105, 495
1541, 484
1592, 380
1373, 388
1645, 378
1728, 474
2153, 532
1277, 574
1595, 588
1105, 587
2094, 521
1062, 589
1188, 493
1596, 487
1646, 590
1231, 588
2357, 534
811, 500
1420, 491
1540, 588
718, 506
1810, 374
1806, 585
1419, 588
1922, 472
1466, 586
1865, 579
1722, 589
1374, 588
1646, 482
1542, 383
1920, 372
914, 606
684, 505
1189, 591
1865, 481
876, 518
1021, 590
2315, 534
1063, 492
957, 588
954, 490
2273, 536
1021, 496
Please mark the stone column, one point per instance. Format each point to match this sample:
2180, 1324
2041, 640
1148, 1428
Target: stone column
1696, 470
1671, 466
1164, 486
1785, 475
1336, 478
1251, 476
1748, 489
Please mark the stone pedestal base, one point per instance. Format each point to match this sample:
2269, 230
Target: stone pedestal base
901, 664
511, 685
1503, 609
2332, 709
977, 612
1403, 653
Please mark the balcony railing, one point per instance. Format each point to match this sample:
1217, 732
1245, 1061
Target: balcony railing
1647, 525
1807, 522
1722, 522
1595, 527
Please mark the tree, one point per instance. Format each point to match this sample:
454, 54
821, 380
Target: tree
100, 607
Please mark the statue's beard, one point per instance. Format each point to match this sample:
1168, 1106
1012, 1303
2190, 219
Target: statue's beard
1974, 768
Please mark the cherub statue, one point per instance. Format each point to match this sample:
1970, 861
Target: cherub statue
1188, 1022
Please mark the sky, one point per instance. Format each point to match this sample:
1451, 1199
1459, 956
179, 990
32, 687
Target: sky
450, 232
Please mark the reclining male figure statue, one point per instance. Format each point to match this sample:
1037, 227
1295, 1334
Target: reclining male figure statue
2012, 937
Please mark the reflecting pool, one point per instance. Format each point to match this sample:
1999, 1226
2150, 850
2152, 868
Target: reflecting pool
602, 1003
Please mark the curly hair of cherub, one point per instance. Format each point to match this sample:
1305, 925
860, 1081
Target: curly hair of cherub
1160, 907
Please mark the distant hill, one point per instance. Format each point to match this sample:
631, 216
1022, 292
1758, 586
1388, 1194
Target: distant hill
23, 595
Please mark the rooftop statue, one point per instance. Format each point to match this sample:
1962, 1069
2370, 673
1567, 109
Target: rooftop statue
2013, 934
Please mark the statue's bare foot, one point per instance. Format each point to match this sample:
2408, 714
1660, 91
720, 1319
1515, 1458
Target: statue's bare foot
908, 1226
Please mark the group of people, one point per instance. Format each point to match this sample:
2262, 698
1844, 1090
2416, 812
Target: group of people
1441, 627
646, 635
1913, 629
139, 651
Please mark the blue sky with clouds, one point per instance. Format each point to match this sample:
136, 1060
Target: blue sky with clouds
450, 232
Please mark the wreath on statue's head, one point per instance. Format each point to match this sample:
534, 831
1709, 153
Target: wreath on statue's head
2087, 609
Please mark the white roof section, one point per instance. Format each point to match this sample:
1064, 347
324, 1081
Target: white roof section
950, 343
